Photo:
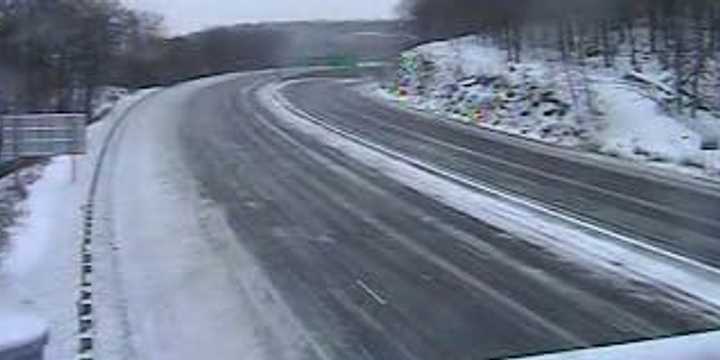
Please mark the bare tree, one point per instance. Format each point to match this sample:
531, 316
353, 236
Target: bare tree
683, 36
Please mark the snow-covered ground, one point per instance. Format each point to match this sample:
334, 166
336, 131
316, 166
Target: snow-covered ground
617, 112
181, 283
169, 279
39, 273
19, 330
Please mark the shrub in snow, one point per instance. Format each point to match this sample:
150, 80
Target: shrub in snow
11, 196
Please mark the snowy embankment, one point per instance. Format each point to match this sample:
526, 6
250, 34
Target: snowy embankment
39, 271
616, 112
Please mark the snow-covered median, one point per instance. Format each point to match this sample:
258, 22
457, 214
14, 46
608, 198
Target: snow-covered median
616, 112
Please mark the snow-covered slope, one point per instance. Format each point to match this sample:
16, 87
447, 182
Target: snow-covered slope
616, 111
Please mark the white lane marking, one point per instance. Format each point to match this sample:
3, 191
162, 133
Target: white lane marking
380, 300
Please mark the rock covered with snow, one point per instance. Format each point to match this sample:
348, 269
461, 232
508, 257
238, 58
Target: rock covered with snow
471, 80
618, 111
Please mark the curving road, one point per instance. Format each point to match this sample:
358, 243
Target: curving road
678, 216
377, 270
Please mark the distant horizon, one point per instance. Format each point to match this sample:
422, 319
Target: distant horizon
310, 21
184, 17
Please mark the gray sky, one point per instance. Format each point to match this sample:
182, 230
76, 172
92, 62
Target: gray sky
182, 16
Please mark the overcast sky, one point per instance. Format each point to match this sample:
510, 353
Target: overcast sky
183, 16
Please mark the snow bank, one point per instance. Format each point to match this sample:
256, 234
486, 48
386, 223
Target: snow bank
54, 197
617, 112
18, 330
636, 128
458, 59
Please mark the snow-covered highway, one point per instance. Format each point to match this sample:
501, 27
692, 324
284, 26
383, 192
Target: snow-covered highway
285, 215
382, 258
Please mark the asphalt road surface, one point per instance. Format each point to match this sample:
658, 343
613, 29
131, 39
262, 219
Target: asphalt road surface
376, 270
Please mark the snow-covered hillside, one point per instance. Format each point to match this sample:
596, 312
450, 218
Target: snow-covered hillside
615, 111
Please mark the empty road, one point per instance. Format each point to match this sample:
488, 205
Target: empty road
376, 269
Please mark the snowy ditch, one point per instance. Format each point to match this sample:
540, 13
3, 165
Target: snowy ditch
692, 285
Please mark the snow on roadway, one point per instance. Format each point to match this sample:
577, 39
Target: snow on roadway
190, 289
639, 127
692, 287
